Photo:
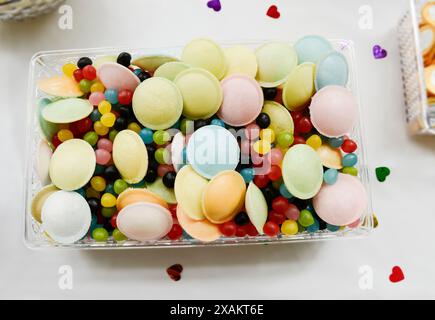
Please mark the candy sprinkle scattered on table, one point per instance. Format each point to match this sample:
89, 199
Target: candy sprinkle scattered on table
215, 5
396, 274
273, 12
382, 173
379, 52
175, 271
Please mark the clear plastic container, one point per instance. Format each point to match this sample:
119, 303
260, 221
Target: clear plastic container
49, 63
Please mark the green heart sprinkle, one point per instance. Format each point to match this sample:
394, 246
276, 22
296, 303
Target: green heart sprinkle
382, 173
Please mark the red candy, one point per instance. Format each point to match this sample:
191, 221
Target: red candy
276, 217
173, 210
56, 141
241, 231
164, 168
292, 212
176, 232
304, 125
113, 220
296, 115
274, 173
298, 140
280, 204
78, 75
89, 72
261, 181
228, 229
125, 96
81, 127
271, 229
252, 230
349, 146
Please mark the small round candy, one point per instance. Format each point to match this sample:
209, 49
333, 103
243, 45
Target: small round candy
276, 156
252, 131
169, 179
289, 227
112, 134
164, 169
108, 212
274, 173
261, 181
284, 192
241, 231
332, 228
85, 85
111, 96
276, 217
151, 175
83, 62
91, 138
121, 123
303, 125
292, 212
98, 183
336, 142
78, 75
248, 174
263, 120
118, 235
134, 126
102, 156
68, 69
280, 204
228, 229
350, 160
119, 186
125, 96
176, 232
162, 155
267, 135
108, 119
110, 189
270, 93
96, 97
105, 144
108, 200
97, 87
64, 135
95, 115
160, 137
271, 229
124, 58
330, 176
314, 141
285, 139
218, 122
314, 227
349, 146
262, 146
100, 234
100, 128
104, 107
89, 72
146, 135
350, 170
306, 218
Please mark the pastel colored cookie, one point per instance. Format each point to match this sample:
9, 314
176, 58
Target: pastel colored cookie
170, 70
60, 86
242, 100
161, 190
206, 54
342, 203
152, 62
157, 103
144, 221
312, 48
98, 62
202, 230
66, 216
130, 156
201, 91
43, 158
256, 207
135, 195
223, 197
72, 164
332, 70
299, 87
67, 110
189, 188
275, 63
331, 157
302, 171
241, 60
334, 111
39, 199
116, 76
47, 129
280, 118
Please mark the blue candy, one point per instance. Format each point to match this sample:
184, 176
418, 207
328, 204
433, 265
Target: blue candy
336, 142
330, 176
95, 115
248, 174
332, 228
218, 122
314, 227
146, 135
81, 192
284, 191
99, 169
110, 189
349, 160
140, 184
111, 96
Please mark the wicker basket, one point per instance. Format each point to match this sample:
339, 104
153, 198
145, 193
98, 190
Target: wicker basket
22, 9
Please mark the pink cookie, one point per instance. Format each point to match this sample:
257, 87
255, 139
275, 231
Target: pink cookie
343, 202
334, 111
242, 102
116, 76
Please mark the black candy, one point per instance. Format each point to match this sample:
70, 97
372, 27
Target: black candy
151, 175
111, 173
242, 219
94, 204
124, 58
121, 123
83, 62
270, 93
263, 120
169, 179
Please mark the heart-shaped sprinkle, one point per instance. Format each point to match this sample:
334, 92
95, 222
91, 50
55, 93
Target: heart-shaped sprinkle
382, 173
379, 52
273, 12
215, 5
174, 271
396, 275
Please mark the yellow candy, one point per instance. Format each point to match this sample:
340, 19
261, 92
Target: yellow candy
314, 141
98, 183
108, 119
97, 87
108, 200
100, 128
104, 107
289, 227
92, 193
65, 135
134, 127
262, 146
68, 69
267, 135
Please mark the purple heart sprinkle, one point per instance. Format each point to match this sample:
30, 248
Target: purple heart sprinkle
379, 52
215, 5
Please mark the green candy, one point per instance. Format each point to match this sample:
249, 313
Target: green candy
108, 212
119, 186
160, 137
306, 218
85, 85
284, 139
350, 170
100, 234
118, 235
161, 155
112, 134
91, 137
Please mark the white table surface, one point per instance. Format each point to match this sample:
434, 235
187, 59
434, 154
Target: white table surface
315, 270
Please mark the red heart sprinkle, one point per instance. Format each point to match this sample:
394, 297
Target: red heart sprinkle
396, 275
174, 271
273, 12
